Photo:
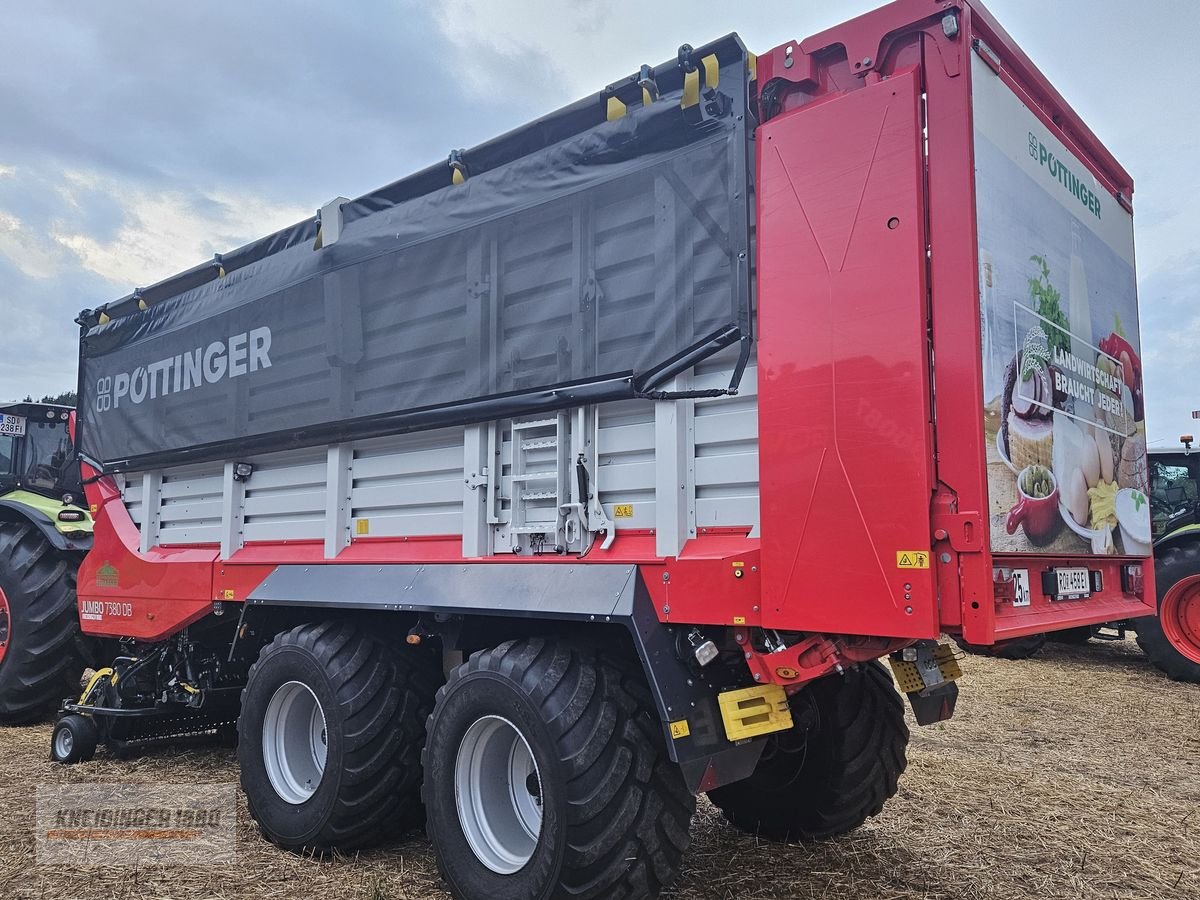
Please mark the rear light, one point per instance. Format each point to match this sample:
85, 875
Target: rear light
1003, 587
1131, 579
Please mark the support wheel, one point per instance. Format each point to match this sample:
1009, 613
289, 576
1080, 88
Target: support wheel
1018, 648
834, 769
1172, 640
546, 776
330, 736
42, 651
73, 740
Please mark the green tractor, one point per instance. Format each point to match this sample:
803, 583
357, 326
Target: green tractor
44, 534
1172, 640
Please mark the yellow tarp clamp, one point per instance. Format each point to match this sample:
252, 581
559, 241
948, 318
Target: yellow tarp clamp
616, 109
752, 66
458, 167
649, 86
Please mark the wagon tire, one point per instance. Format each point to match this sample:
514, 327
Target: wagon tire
330, 735
547, 775
42, 651
834, 769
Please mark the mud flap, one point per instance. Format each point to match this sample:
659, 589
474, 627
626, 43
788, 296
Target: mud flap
935, 704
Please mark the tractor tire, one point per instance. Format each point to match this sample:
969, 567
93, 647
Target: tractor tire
330, 735
1018, 648
42, 651
834, 769
546, 775
1171, 640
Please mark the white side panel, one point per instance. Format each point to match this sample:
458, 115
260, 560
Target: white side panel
408, 485
625, 470
131, 493
285, 497
415, 484
726, 449
190, 506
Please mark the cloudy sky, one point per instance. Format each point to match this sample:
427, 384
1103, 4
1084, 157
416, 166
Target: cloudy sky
141, 137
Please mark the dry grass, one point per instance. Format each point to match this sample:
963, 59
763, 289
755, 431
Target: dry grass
1074, 775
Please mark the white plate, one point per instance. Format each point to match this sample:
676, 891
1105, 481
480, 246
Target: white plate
1086, 533
1000, 451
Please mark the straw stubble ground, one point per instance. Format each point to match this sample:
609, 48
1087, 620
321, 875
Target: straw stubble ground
1074, 775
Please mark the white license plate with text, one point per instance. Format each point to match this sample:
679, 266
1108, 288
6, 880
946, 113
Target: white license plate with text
1073, 583
14, 425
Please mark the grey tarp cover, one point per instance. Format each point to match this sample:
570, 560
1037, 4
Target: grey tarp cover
578, 272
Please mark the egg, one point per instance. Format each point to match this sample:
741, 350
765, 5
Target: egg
1107, 464
1089, 458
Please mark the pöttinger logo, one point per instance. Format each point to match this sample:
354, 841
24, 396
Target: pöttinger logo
239, 354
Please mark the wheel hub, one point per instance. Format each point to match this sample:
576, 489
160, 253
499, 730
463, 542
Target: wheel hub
294, 742
498, 792
1179, 615
64, 743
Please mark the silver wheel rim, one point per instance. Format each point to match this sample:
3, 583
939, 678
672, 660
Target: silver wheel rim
498, 792
64, 743
294, 742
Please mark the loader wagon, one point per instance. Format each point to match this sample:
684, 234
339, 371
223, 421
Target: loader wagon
540, 491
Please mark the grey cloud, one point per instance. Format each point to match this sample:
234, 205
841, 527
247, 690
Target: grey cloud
283, 99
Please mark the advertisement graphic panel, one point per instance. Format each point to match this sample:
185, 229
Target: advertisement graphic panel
1063, 409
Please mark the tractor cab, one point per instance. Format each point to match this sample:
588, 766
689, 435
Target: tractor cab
1174, 488
39, 473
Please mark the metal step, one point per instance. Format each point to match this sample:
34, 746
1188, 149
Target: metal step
539, 495
539, 445
535, 423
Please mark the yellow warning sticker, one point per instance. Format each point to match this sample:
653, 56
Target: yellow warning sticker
680, 729
912, 559
227, 594
623, 511
739, 620
362, 526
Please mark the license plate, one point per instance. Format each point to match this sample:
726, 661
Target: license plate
14, 425
1072, 584
1021, 595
